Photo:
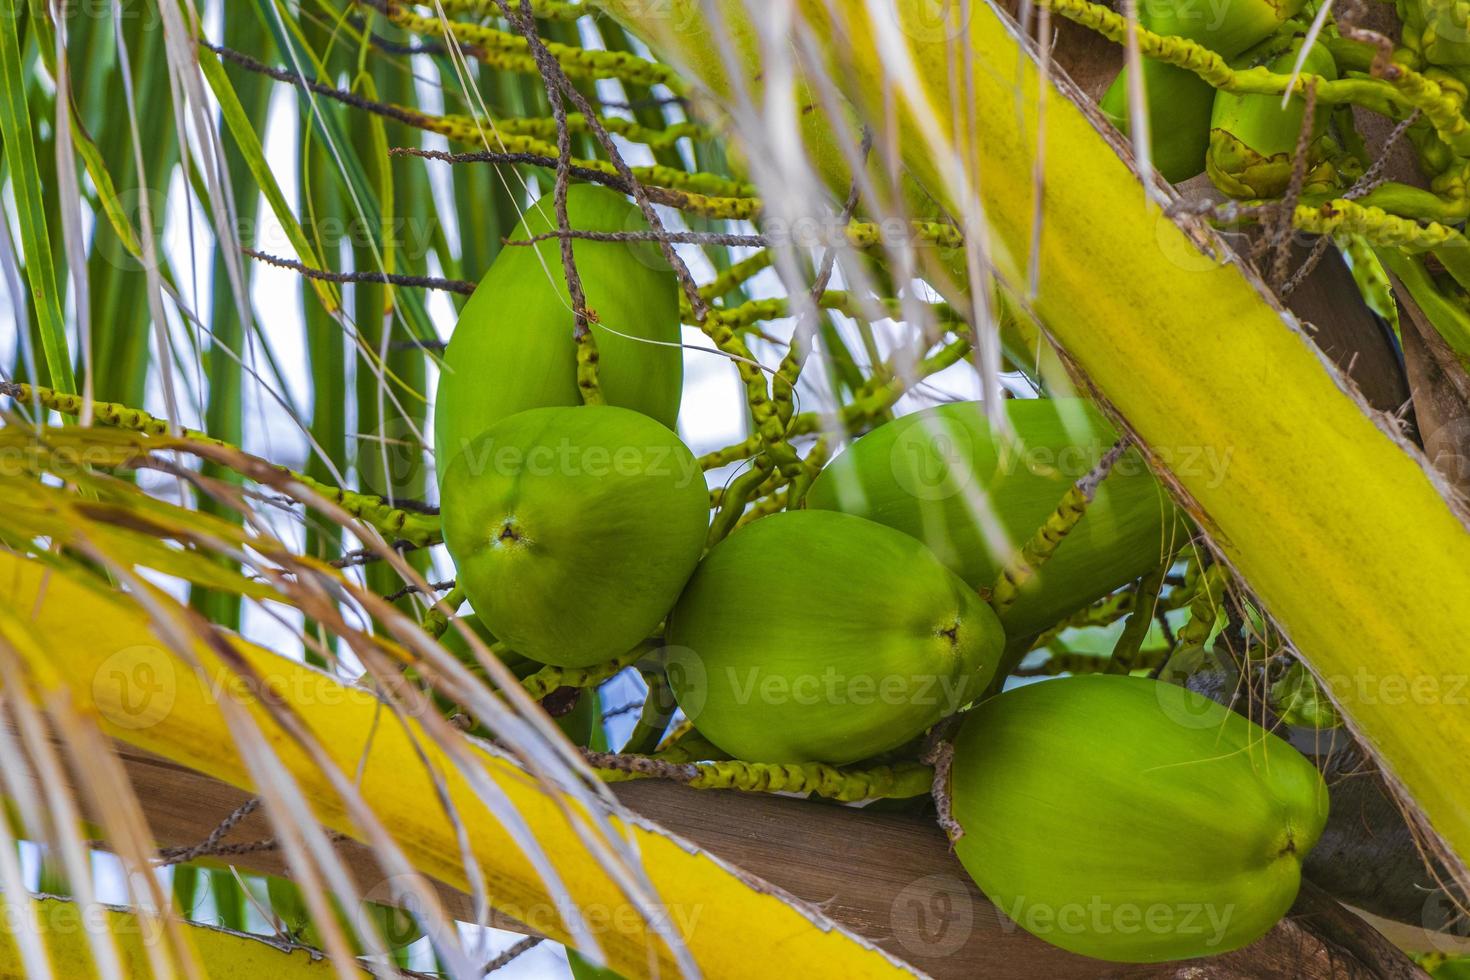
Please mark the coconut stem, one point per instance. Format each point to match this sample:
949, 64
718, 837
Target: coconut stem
1125, 656
1204, 608
549, 678
844, 785
1044, 543
436, 620
658, 710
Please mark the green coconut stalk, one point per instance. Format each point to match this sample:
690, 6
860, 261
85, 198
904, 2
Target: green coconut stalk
576, 722
1131, 820
1253, 140
810, 636
1178, 101
513, 347
944, 477
573, 529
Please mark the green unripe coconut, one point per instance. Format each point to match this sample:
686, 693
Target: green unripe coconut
1132, 820
1179, 103
811, 636
1226, 29
573, 529
941, 474
1253, 139
1177, 100
513, 347
576, 724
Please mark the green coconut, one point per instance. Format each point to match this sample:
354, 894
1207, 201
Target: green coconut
576, 724
1228, 30
941, 474
513, 347
1177, 101
812, 636
1178, 108
1131, 820
573, 529
1253, 139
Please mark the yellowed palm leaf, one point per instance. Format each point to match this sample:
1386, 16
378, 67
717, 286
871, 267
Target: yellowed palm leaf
103, 650
61, 928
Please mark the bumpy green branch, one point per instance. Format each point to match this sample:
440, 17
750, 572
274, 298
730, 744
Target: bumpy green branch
549, 678
655, 138
749, 313
542, 129
509, 51
395, 523
845, 785
1128, 651
1044, 543
1204, 609
738, 274
543, 9
1400, 85
714, 195
868, 406
1343, 217
732, 502
435, 621
768, 425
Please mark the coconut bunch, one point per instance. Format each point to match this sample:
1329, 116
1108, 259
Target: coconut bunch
877, 620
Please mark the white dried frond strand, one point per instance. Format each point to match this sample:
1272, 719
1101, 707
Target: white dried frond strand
16, 900
1138, 119
62, 821
1313, 32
